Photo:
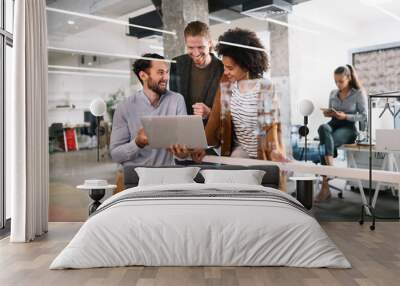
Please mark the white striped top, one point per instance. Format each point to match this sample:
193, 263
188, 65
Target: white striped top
245, 117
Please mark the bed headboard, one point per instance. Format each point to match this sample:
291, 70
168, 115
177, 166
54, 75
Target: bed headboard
270, 179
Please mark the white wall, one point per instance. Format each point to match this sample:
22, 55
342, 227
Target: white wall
81, 89
313, 57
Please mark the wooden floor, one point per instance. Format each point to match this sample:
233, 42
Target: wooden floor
375, 257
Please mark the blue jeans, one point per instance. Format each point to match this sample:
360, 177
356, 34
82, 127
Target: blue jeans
332, 137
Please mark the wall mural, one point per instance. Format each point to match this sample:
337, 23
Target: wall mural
379, 70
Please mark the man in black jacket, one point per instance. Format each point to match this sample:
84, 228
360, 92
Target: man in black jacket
196, 75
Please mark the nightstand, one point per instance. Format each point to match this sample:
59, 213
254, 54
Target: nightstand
97, 190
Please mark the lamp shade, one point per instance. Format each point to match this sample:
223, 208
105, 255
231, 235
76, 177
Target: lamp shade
306, 107
98, 107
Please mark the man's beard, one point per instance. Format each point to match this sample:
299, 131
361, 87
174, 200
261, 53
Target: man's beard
155, 86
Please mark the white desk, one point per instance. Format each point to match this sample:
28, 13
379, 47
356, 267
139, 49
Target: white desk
310, 168
390, 163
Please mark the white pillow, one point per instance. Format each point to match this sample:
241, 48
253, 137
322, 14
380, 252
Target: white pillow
248, 177
165, 176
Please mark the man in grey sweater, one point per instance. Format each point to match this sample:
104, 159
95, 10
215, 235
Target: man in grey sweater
129, 144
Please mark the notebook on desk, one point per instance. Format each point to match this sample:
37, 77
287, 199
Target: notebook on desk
363, 143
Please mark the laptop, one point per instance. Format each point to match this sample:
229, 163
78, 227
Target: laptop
164, 131
387, 140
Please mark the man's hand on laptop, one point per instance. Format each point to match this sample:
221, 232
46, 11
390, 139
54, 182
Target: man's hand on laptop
141, 139
201, 109
180, 151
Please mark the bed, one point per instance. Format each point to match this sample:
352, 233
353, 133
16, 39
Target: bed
197, 224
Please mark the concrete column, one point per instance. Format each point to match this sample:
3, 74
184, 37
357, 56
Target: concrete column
176, 15
279, 43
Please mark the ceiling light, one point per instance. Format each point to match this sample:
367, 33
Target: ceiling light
269, 7
124, 56
242, 46
217, 19
154, 47
264, 17
71, 22
375, 2
88, 74
116, 71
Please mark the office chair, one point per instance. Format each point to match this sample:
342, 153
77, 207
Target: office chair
56, 132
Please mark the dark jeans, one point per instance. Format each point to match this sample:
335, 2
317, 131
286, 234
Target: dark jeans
332, 137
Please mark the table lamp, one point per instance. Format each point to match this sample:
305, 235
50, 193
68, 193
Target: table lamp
305, 107
98, 108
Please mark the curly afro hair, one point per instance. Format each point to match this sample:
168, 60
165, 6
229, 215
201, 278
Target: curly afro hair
256, 62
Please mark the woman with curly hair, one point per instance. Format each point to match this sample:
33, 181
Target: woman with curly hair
244, 119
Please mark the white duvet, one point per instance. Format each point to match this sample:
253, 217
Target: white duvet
204, 231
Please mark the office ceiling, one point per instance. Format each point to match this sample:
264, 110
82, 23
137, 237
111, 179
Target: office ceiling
352, 10
58, 23
348, 11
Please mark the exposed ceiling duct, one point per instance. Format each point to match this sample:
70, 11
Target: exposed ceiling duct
152, 19
218, 9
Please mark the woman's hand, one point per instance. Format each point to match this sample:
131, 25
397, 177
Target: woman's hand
198, 155
329, 113
180, 151
340, 115
201, 109
277, 156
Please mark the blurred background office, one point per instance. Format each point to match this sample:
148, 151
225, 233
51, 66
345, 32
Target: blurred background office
91, 49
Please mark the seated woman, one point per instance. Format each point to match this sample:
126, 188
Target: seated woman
244, 120
347, 105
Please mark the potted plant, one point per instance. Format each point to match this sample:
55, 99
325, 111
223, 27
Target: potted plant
112, 102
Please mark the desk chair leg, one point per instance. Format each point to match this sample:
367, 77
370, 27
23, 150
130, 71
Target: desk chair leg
398, 197
76, 140
363, 197
372, 211
316, 185
352, 164
340, 191
395, 168
377, 190
65, 141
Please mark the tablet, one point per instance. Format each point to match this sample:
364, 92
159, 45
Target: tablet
328, 110
164, 131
